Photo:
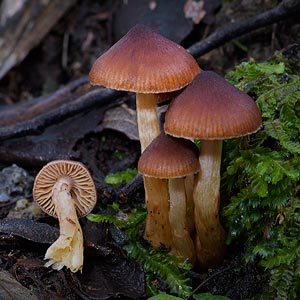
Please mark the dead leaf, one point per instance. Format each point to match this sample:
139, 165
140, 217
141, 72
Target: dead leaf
122, 119
194, 10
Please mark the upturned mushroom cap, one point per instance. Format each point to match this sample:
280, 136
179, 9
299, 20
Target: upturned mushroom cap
83, 189
143, 61
211, 108
169, 157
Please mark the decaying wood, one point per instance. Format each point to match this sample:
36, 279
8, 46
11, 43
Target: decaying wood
24, 27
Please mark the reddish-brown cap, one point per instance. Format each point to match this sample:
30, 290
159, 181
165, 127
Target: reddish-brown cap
169, 157
143, 61
213, 109
83, 189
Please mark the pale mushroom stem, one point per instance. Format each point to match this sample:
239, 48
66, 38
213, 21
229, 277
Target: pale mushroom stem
210, 233
182, 243
67, 250
147, 119
157, 229
189, 190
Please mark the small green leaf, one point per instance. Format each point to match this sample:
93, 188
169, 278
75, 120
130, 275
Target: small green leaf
121, 177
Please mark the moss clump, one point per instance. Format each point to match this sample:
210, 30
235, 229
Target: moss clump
261, 175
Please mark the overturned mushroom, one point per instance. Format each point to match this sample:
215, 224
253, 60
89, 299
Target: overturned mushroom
65, 189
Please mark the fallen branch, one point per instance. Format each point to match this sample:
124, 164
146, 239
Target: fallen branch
224, 34
85, 101
23, 111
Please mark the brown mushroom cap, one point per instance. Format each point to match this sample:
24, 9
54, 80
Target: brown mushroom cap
211, 108
83, 189
169, 157
143, 61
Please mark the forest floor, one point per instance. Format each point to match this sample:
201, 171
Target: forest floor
88, 136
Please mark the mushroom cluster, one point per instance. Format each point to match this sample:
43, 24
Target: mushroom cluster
182, 211
148, 64
66, 190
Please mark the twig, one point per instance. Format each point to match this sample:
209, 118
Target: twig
98, 96
222, 35
126, 192
26, 110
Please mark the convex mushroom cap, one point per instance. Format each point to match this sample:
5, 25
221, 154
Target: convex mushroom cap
83, 189
210, 108
169, 157
172, 159
143, 61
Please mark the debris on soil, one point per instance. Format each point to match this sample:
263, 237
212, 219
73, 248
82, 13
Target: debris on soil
11, 289
15, 183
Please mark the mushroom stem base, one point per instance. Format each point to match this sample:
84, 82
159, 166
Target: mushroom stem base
182, 243
157, 230
67, 250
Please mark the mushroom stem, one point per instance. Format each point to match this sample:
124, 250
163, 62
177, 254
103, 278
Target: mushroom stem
182, 243
210, 233
67, 250
189, 190
157, 229
147, 119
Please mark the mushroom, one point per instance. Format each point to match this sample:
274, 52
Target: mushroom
146, 63
168, 160
211, 109
65, 189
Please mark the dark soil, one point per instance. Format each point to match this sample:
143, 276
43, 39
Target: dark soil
108, 273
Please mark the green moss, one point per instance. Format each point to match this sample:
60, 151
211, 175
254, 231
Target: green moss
261, 176
121, 176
